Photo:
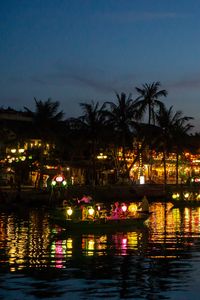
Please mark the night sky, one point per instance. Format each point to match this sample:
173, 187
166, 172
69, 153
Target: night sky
76, 51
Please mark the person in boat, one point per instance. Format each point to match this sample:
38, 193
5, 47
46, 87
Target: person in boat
116, 210
144, 205
85, 199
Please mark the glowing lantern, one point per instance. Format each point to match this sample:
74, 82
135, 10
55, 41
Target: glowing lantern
124, 207
91, 211
58, 181
59, 178
132, 208
69, 211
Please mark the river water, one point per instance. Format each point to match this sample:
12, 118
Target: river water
161, 260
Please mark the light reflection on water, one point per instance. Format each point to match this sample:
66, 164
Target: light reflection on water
160, 260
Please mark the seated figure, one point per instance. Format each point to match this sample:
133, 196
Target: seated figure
85, 199
116, 210
144, 205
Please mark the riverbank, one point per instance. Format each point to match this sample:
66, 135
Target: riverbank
118, 192
28, 195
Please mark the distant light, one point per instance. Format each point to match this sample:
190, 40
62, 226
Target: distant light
175, 196
142, 180
101, 156
21, 150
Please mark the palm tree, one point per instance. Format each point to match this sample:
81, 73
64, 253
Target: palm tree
47, 121
46, 117
91, 127
148, 98
121, 117
180, 133
174, 131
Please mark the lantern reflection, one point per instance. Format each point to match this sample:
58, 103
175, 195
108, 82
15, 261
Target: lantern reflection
27, 244
58, 253
173, 225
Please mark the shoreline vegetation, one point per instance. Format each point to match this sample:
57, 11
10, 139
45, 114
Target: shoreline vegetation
119, 140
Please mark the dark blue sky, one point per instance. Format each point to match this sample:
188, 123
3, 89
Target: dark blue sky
76, 51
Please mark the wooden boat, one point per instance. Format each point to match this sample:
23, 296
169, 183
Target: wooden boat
101, 224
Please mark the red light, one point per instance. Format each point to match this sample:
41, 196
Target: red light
197, 180
59, 179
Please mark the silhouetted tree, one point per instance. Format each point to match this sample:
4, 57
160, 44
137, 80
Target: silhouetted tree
47, 120
90, 128
122, 117
174, 129
149, 95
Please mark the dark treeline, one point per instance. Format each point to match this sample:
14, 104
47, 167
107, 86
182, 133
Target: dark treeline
142, 125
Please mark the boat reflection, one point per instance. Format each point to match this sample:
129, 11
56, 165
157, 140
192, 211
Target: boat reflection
97, 245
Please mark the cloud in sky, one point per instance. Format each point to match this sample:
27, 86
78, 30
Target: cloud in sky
135, 16
100, 81
89, 81
187, 83
76, 79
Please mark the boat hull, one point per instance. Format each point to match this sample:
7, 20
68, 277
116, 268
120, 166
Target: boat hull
102, 225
